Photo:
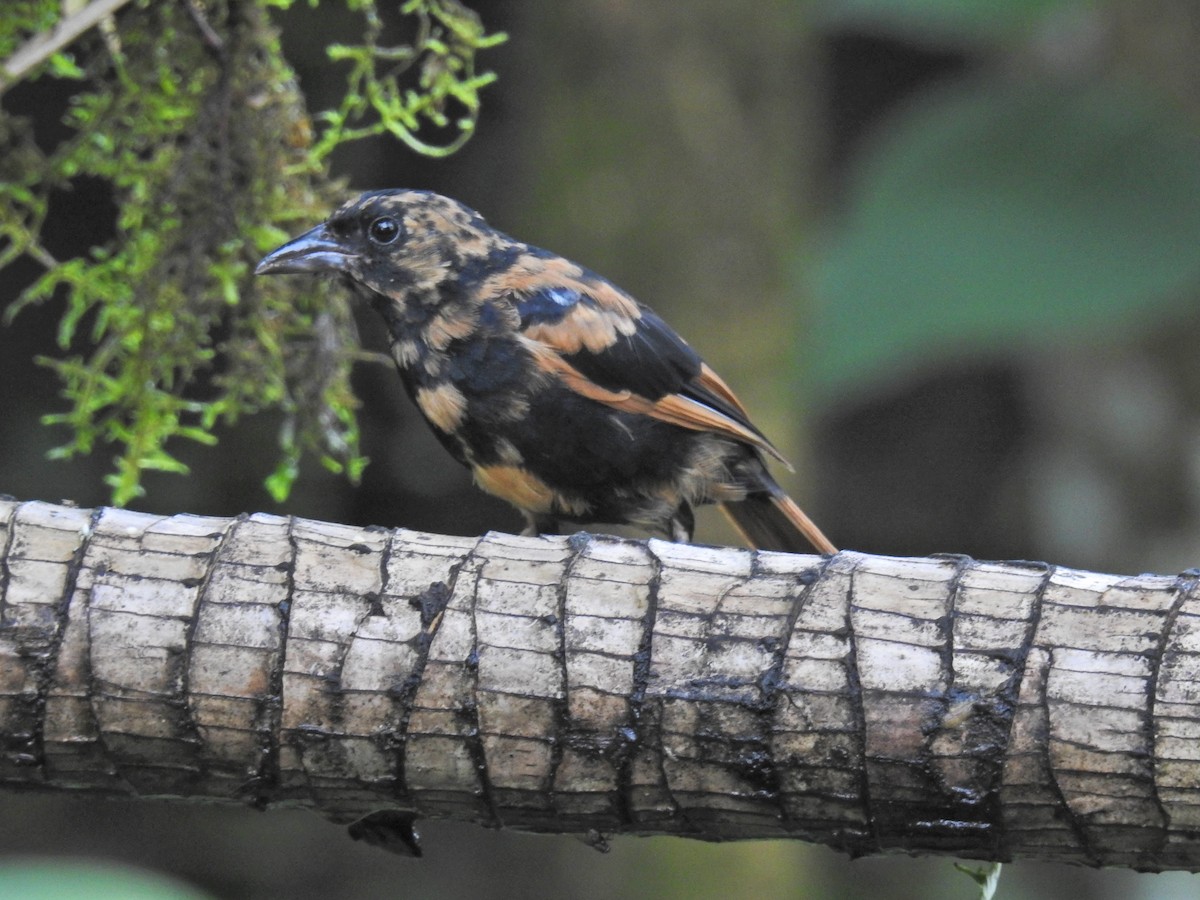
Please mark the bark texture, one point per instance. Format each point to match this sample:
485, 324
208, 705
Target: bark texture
597, 685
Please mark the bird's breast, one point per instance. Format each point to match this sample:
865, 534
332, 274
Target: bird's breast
473, 390
442, 404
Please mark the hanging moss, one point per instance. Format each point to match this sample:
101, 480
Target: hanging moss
191, 115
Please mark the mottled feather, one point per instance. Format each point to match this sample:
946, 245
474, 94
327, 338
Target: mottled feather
562, 393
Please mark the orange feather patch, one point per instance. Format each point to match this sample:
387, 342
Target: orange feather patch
449, 326
675, 409
534, 273
585, 327
714, 384
517, 486
524, 490
443, 405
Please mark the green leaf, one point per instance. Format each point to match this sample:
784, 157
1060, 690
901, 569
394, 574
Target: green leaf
162, 462
199, 435
279, 483
62, 65
989, 218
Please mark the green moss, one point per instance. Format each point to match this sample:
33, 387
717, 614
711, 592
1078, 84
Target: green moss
196, 123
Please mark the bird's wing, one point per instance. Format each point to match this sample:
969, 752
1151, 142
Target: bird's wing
604, 345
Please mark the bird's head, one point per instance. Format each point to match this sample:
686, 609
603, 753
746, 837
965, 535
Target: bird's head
401, 244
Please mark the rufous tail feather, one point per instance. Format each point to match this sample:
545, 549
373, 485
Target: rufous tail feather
771, 520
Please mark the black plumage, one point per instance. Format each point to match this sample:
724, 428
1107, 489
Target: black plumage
563, 394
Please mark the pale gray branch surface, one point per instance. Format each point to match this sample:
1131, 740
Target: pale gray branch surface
39, 47
592, 684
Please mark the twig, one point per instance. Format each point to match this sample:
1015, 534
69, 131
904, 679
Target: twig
37, 48
212, 40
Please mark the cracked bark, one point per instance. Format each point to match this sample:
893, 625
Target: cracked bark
595, 685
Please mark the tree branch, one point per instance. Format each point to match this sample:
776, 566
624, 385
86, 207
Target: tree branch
40, 47
596, 685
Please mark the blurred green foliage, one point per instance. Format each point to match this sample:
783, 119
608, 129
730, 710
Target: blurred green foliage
72, 880
448, 37
191, 116
940, 20
1049, 201
993, 215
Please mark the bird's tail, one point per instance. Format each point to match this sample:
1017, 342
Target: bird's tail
770, 520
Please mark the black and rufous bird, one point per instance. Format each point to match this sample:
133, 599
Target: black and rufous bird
564, 395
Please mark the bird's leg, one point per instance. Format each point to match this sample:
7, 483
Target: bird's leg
538, 525
682, 524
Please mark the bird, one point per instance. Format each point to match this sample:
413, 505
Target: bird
563, 394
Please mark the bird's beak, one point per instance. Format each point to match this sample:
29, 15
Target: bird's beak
313, 251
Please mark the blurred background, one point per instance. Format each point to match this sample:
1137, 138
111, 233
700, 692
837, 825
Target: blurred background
947, 252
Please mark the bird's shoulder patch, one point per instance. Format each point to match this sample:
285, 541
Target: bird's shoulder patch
604, 332
674, 408
563, 304
604, 345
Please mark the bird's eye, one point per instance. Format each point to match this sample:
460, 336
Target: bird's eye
384, 230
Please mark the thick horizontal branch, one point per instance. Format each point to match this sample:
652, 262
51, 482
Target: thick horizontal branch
597, 685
